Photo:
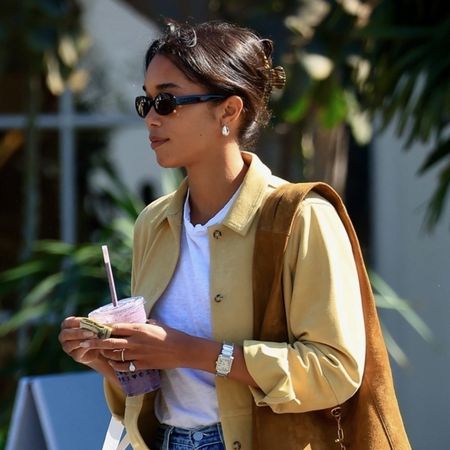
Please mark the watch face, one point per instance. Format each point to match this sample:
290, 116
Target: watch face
223, 365
225, 360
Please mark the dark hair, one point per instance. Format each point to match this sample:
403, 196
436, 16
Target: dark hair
226, 59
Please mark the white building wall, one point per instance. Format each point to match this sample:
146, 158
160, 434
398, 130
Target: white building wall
120, 38
417, 266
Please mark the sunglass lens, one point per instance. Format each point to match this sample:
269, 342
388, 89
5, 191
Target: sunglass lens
143, 105
165, 104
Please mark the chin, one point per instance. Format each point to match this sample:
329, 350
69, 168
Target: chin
167, 162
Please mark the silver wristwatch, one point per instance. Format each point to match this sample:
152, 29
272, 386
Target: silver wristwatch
225, 360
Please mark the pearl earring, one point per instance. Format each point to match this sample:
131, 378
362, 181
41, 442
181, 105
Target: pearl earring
225, 131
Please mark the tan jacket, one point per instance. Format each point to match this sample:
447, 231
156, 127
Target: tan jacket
324, 365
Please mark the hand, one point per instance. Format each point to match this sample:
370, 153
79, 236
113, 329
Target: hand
153, 345
150, 345
72, 336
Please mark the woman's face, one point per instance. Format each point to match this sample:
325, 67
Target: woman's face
192, 133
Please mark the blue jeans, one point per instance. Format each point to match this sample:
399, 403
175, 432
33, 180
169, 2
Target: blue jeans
202, 438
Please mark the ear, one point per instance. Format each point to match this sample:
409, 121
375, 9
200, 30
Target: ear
230, 110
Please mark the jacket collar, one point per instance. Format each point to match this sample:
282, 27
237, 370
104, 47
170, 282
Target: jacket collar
253, 191
242, 212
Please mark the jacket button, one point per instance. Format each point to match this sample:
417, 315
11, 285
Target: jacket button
217, 234
237, 445
218, 298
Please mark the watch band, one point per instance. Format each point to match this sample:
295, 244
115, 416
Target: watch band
225, 360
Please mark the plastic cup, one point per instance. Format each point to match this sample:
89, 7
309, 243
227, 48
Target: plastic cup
129, 310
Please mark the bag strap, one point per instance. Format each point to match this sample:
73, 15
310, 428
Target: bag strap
274, 228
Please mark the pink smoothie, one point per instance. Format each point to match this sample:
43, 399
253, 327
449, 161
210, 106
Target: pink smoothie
129, 310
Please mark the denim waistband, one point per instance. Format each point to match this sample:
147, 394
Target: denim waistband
209, 437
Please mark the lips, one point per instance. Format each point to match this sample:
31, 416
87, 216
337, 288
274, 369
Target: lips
156, 141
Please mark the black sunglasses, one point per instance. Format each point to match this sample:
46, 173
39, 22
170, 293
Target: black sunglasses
166, 103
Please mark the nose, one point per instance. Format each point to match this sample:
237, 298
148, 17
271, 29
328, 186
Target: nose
152, 118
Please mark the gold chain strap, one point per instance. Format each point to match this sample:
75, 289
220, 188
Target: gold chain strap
337, 414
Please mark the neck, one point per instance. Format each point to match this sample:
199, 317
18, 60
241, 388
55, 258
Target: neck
212, 185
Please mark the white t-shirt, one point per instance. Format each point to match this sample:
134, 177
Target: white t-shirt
187, 397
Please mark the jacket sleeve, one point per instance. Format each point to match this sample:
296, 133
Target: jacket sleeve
323, 364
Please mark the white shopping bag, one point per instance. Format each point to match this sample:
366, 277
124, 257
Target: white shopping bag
113, 438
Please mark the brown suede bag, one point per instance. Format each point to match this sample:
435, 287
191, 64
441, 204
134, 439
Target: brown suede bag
371, 419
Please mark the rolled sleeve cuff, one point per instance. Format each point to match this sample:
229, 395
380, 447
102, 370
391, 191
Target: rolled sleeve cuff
267, 363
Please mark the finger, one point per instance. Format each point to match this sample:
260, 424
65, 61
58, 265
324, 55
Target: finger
75, 334
77, 352
126, 329
123, 367
70, 322
105, 344
70, 347
83, 356
118, 354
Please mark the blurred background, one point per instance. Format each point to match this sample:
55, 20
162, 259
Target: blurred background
366, 108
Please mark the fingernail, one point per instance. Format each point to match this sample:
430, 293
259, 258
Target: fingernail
88, 334
84, 344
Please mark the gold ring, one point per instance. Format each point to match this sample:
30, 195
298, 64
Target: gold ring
122, 355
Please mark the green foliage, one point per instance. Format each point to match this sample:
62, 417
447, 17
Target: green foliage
409, 80
405, 72
66, 279
348, 61
57, 281
42, 37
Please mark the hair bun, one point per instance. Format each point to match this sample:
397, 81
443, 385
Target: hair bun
267, 46
184, 33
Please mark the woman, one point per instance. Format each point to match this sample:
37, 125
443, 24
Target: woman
206, 91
